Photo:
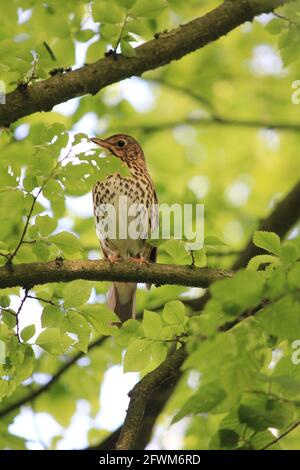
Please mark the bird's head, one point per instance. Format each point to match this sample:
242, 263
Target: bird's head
122, 146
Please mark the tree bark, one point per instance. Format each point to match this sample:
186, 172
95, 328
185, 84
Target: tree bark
31, 274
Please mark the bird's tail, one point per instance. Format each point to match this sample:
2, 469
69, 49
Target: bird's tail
121, 299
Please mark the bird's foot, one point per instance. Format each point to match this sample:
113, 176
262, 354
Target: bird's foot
140, 261
113, 258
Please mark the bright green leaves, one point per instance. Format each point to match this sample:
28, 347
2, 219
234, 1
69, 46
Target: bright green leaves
126, 3
75, 323
285, 253
27, 333
174, 312
250, 288
152, 325
146, 9
53, 341
275, 26
203, 401
101, 318
121, 21
293, 277
281, 319
137, 356
260, 412
102, 13
76, 293
45, 224
287, 28
153, 336
269, 241
51, 316
66, 242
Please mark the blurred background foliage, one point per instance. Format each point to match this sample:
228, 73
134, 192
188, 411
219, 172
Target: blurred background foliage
208, 125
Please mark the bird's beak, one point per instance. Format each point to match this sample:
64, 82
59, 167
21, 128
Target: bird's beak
101, 142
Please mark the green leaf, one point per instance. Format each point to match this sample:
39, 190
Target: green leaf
174, 312
148, 9
101, 318
30, 182
250, 288
51, 316
228, 438
269, 241
152, 324
41, 250
53, 341
260, 412
274, 26
27, 332
9, 318
53, 191
204, 400
212, 240
77, 293
126, 3
84, 35
76, 323
294, 277
130, 330
104, 13
289, 253
158, 354
45, 224
66, 242
281, 319
127, 49
137, 356
4, 301
256, 261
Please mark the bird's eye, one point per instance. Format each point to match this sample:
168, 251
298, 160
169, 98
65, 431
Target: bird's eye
121, 143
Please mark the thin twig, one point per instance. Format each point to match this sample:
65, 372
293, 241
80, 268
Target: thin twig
18, 312
28, 217
290, 429
121, 32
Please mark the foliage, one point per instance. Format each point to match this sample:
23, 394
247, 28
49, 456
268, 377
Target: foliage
241, 343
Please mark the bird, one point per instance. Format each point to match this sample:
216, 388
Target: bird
138, 189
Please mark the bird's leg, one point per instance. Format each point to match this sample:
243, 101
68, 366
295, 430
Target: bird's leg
113, 258
141, 260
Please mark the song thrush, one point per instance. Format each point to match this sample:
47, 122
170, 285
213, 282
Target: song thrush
138, 189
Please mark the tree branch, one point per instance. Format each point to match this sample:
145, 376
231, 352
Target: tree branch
31, 274
216, 120
168, 46
141, 394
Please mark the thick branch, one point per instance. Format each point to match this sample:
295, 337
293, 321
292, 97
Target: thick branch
169, 46
31, 274
141, 393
